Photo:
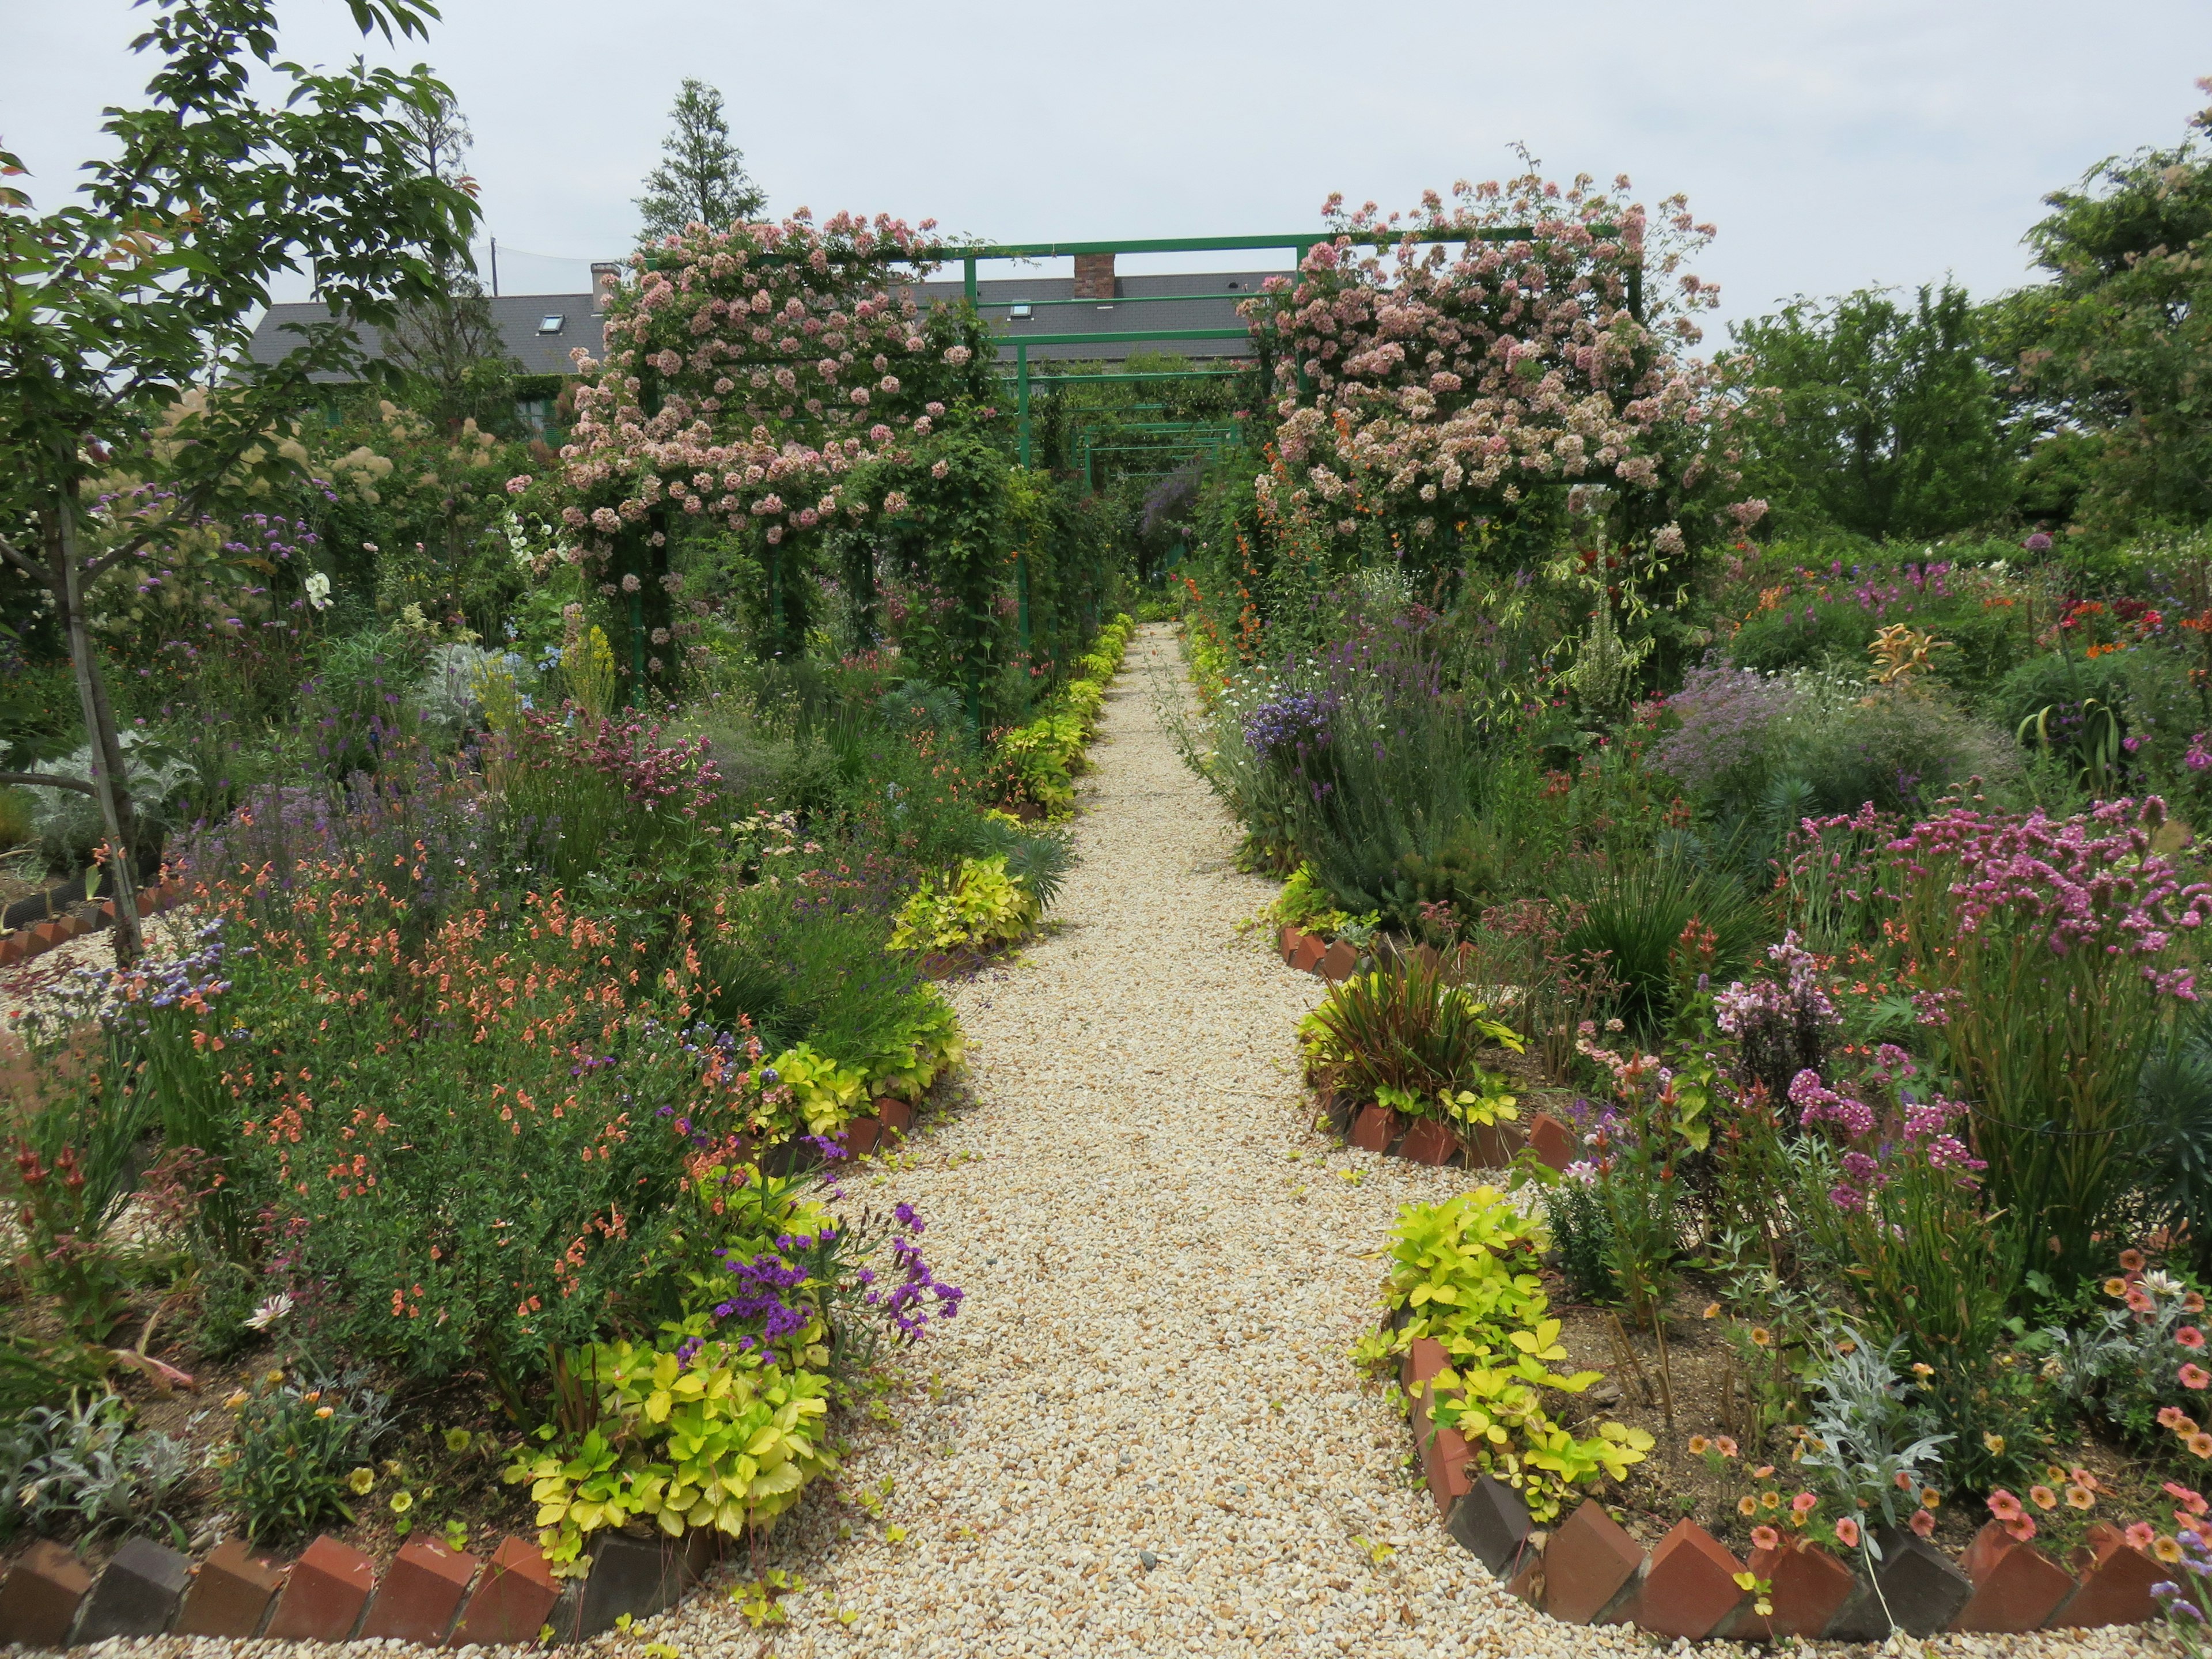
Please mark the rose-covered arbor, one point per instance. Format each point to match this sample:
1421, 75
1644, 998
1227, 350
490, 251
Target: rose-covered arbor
750, 377
1536, 372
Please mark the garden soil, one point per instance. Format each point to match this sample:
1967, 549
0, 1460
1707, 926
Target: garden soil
1142, 1435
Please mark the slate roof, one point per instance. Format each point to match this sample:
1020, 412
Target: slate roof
518, 316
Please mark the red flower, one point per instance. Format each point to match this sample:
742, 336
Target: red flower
2194, 1376
1847, 1532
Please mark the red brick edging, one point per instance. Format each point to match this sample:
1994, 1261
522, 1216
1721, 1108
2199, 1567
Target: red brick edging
24, 942
429, 1595
1588, 1571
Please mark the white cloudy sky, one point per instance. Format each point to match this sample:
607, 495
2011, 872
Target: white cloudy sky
1836, 142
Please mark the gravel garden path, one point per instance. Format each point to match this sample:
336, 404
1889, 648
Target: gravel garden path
1142, 1434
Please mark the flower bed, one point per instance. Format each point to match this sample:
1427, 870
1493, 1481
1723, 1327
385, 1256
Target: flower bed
1467, 1326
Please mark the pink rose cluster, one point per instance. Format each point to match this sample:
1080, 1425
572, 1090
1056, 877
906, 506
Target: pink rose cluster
748, 372
1443, 385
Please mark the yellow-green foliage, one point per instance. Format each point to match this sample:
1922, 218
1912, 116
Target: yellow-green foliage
1465, 1271
1030, 763
935, 1042
824, 1095
727, 1440
1307, 905
982, 905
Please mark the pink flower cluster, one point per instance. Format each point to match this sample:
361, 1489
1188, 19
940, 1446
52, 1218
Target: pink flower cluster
1457, 383
748, 372
2087, 883
1817, 1103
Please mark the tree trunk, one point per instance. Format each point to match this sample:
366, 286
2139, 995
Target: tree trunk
110, 781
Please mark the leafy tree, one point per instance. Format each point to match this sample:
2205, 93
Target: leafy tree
1889, 423
2111, 359
123, 307
450, 345
703, 180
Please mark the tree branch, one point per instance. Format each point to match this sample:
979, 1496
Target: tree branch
36, 573
48, 781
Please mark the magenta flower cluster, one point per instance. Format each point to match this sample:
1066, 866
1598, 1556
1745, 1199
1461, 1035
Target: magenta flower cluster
2088, 883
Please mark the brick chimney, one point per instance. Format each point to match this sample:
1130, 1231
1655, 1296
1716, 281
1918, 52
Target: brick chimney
1094, 276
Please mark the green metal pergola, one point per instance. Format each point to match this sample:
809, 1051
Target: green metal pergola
1301, 243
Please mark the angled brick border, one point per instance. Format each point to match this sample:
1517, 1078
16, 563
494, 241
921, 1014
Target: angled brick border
1588, 1571
36, 940
430, 1594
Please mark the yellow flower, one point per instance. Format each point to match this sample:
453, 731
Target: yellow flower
458, 1440
1747, 1505
362, 1479
1996, 1444
1770, 1500
1712, 1310
1930, 1498
1698, 1444
2166, 1550
2080, 1498
1921, 1368
236, 1399
402, 1502
274, 1378
2116, 1287
325, 1411
1761, 1337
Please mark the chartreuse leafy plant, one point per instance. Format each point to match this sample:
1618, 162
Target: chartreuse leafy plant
825, 1096
1308, 906
1465, 1272
1036, 762
714, 1434
980, 905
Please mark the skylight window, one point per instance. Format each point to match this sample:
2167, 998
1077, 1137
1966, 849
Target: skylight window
551, 325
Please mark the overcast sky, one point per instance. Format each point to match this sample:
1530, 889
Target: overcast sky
1835, 142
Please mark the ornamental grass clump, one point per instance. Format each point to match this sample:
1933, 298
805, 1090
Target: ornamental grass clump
2047, 957
1407, 1034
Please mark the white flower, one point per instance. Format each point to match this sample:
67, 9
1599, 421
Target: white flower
318, 590
270, 1312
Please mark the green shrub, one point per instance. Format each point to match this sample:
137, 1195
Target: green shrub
979, 906
356, 706
800, 966
294, 1447
1582, 1240
1899, 749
